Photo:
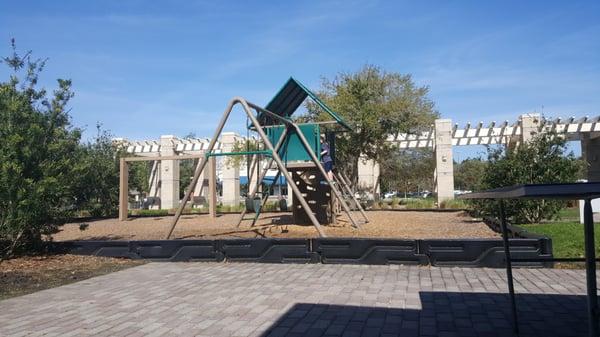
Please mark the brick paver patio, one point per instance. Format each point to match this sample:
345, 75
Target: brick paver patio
234, 299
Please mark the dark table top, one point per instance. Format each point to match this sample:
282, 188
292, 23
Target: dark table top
540, 191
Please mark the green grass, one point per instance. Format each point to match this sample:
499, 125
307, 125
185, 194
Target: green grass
569, 214
454, 204
420, 203
567, 237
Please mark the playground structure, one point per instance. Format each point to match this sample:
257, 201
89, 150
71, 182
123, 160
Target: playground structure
285, 144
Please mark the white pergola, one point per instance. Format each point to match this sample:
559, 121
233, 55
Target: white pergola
442, 136
494, 133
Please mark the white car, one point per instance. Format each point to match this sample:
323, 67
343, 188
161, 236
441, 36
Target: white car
389, 195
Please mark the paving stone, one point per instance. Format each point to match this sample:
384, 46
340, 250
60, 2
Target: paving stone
234, 299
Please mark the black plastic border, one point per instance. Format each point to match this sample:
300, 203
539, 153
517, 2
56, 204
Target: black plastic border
435, 252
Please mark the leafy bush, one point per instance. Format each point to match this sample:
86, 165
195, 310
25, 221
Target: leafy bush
541, 160
36, 156
97, 170
454, 204
150, 212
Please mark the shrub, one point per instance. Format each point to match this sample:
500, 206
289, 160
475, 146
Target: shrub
541, 160
454, 204
150, 212
36, 157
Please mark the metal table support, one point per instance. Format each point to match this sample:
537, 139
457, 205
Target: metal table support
509, 275
564, 191
590, 268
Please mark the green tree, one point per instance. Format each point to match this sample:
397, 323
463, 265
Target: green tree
187, 167
468, 174
541, 160
96, 175
376, 104
407, 171
36, 155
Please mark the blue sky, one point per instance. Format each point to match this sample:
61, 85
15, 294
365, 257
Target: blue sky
145, 68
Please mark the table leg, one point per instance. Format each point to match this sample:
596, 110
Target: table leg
590, 269
509, 276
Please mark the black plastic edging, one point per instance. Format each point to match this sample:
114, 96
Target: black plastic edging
442, 252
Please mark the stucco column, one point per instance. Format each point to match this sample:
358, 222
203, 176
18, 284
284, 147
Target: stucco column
530, 124
590, 152
368, 175
230, 175
169, 174
444, 165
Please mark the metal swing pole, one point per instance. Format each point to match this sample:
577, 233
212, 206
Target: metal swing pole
343, 181
279, 162
265, 198
261, 177
200, 167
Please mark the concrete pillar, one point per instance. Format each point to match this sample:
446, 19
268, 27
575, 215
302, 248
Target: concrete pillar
230, 175
368, 175
530, 126
590, 152
444, 165
169, 175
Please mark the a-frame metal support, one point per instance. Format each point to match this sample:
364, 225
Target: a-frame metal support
275, 155
342, 180
262, 175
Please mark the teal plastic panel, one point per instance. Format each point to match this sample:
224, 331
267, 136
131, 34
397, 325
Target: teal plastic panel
292, 149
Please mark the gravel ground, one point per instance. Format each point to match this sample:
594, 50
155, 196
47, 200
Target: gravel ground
383, 224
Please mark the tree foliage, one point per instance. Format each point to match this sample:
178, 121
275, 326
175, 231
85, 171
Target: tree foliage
407, 171
96, 179
469, 173
36, 155
376, 104
541, 160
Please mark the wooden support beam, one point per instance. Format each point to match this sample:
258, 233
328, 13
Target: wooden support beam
151, 158
212, 187
123, 189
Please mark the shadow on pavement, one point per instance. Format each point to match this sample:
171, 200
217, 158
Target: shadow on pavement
442, 314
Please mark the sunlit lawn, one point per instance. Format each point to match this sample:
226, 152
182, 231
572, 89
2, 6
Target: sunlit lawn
567, 237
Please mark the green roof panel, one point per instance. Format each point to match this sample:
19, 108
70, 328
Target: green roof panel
290, 97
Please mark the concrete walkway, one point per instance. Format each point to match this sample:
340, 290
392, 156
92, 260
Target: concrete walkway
220, 299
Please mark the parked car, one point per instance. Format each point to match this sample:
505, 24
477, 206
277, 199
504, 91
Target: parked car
390, 195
